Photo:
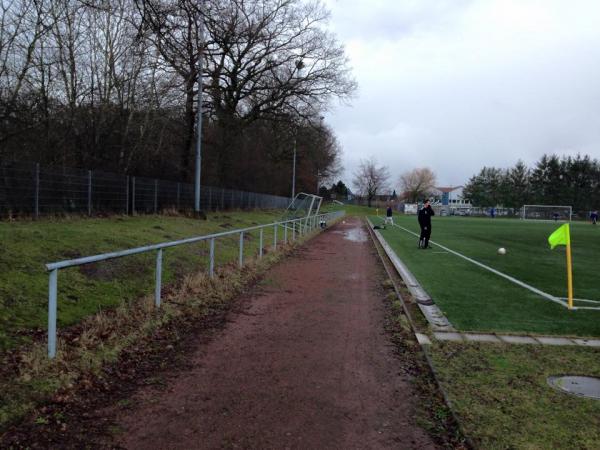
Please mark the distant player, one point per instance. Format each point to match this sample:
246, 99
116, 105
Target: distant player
594, 217
492, 212
555, 216
425, 222
388, 216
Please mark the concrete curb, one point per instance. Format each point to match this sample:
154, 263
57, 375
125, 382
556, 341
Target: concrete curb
431, 311
496, 338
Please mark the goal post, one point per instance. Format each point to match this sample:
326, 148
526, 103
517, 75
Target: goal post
547, 212
303, 206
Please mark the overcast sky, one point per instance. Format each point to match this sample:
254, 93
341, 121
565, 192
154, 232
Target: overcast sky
459, 84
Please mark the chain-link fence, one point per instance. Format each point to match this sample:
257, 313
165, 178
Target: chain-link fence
32, 190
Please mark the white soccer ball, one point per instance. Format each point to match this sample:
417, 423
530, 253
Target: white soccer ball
502, 251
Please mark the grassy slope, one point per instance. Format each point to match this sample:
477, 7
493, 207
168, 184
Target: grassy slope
476, 299
503, 401
26, 246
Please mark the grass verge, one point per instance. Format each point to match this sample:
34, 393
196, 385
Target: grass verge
26, 246
28, 379
501, 397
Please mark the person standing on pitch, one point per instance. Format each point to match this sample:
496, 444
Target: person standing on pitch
594, 217
388, 216
425, 222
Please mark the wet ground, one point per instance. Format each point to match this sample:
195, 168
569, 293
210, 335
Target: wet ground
306, 364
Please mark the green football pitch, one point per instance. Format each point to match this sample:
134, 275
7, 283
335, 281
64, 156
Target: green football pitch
475, 299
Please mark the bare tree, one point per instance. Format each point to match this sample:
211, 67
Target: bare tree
417, 183
369, 179
262, 60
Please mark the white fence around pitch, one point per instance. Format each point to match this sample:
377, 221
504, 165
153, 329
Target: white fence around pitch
297, 227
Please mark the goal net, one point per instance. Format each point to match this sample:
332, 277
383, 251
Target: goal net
546, 212
303, 206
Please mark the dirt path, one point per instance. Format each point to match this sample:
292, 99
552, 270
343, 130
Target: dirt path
307, 364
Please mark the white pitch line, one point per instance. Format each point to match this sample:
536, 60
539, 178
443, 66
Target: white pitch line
497, 272
581, 300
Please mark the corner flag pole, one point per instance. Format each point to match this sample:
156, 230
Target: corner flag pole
562, 236
569, 275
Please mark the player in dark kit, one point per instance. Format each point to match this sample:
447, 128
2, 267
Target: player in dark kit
425, 222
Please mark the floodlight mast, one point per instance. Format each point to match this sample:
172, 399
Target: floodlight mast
199, 119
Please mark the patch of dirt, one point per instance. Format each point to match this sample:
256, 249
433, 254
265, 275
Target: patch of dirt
117, 268
306, 364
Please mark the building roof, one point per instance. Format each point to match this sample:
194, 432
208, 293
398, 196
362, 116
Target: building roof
447, 189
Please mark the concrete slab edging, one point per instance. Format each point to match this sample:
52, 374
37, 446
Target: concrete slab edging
513, 339
431, 311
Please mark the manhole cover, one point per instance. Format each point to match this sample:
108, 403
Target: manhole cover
588, 387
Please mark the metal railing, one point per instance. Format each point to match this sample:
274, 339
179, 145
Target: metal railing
28, 189
297, 227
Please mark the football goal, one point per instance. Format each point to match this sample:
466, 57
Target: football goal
546, 212
303, 206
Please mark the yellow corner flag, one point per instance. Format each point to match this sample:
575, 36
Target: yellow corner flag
562, 236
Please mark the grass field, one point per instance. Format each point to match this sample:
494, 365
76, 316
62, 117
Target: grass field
26, 246
500, 394
475, 299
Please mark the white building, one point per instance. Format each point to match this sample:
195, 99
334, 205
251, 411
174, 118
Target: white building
451, 197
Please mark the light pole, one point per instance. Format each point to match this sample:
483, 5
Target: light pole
299, 66
294, 172
199, 124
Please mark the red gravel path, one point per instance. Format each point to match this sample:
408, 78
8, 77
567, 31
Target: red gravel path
307, 364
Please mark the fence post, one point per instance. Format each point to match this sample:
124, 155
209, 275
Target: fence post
241, 249
155, 196
157, 287
133, 196
52, 288
178, 194
274, 237
89, 192
211, 265
37, 190
260, 243
127, 196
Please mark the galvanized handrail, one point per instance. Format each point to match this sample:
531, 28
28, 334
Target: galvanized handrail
297, 226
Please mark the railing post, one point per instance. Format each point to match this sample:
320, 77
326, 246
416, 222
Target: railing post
37, 190
260, 243
241, 249
157, 287
211, 265
155, 196
133, 195
274, 237
89, 192
52, 288
127, 196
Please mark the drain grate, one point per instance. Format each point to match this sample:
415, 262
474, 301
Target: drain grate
580, 386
